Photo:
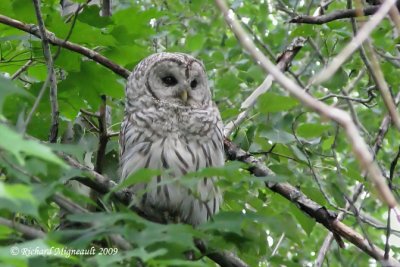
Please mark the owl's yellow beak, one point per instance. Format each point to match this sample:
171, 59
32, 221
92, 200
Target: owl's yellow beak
184, 96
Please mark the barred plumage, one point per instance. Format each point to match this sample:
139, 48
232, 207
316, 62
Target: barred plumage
171, 123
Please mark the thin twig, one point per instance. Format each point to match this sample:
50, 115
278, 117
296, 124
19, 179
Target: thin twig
84, 111
50, 72
35, 104
75, 16
283, 63
364, 101
91, 123
113, 134
278, 244
77, 11
22, 69
309, 164
382, 84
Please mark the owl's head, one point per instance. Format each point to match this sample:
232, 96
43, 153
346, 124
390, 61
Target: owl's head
174, 78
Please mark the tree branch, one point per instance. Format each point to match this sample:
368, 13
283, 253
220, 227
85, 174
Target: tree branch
335, 15
22, 69
35, 104
106, 8
33, 29
103, 135
379, 78
28, 231
50, 72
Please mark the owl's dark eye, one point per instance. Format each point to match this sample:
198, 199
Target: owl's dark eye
193, 84
169, 80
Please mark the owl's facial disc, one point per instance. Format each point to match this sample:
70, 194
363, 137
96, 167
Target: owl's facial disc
178, 82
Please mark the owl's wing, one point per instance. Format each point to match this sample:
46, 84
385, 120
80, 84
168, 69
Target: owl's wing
134, 149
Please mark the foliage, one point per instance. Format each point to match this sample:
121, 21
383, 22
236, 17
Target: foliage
298, 145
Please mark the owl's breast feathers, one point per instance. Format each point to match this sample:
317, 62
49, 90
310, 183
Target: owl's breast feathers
179, 140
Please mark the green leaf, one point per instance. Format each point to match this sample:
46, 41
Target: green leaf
142, 253
270, 102
102, 82
278, 136
310, 130
91, 16
327, 143
241, 139
180, 235
18, 198
19, 147
299, 153
142, 175
4, 232
305, 221
195, 42
337, 81
7, 88
24, 9
132, 24
120, 54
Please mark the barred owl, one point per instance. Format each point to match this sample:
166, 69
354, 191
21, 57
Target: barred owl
171, 124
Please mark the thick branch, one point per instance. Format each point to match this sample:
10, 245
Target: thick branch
33, 29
